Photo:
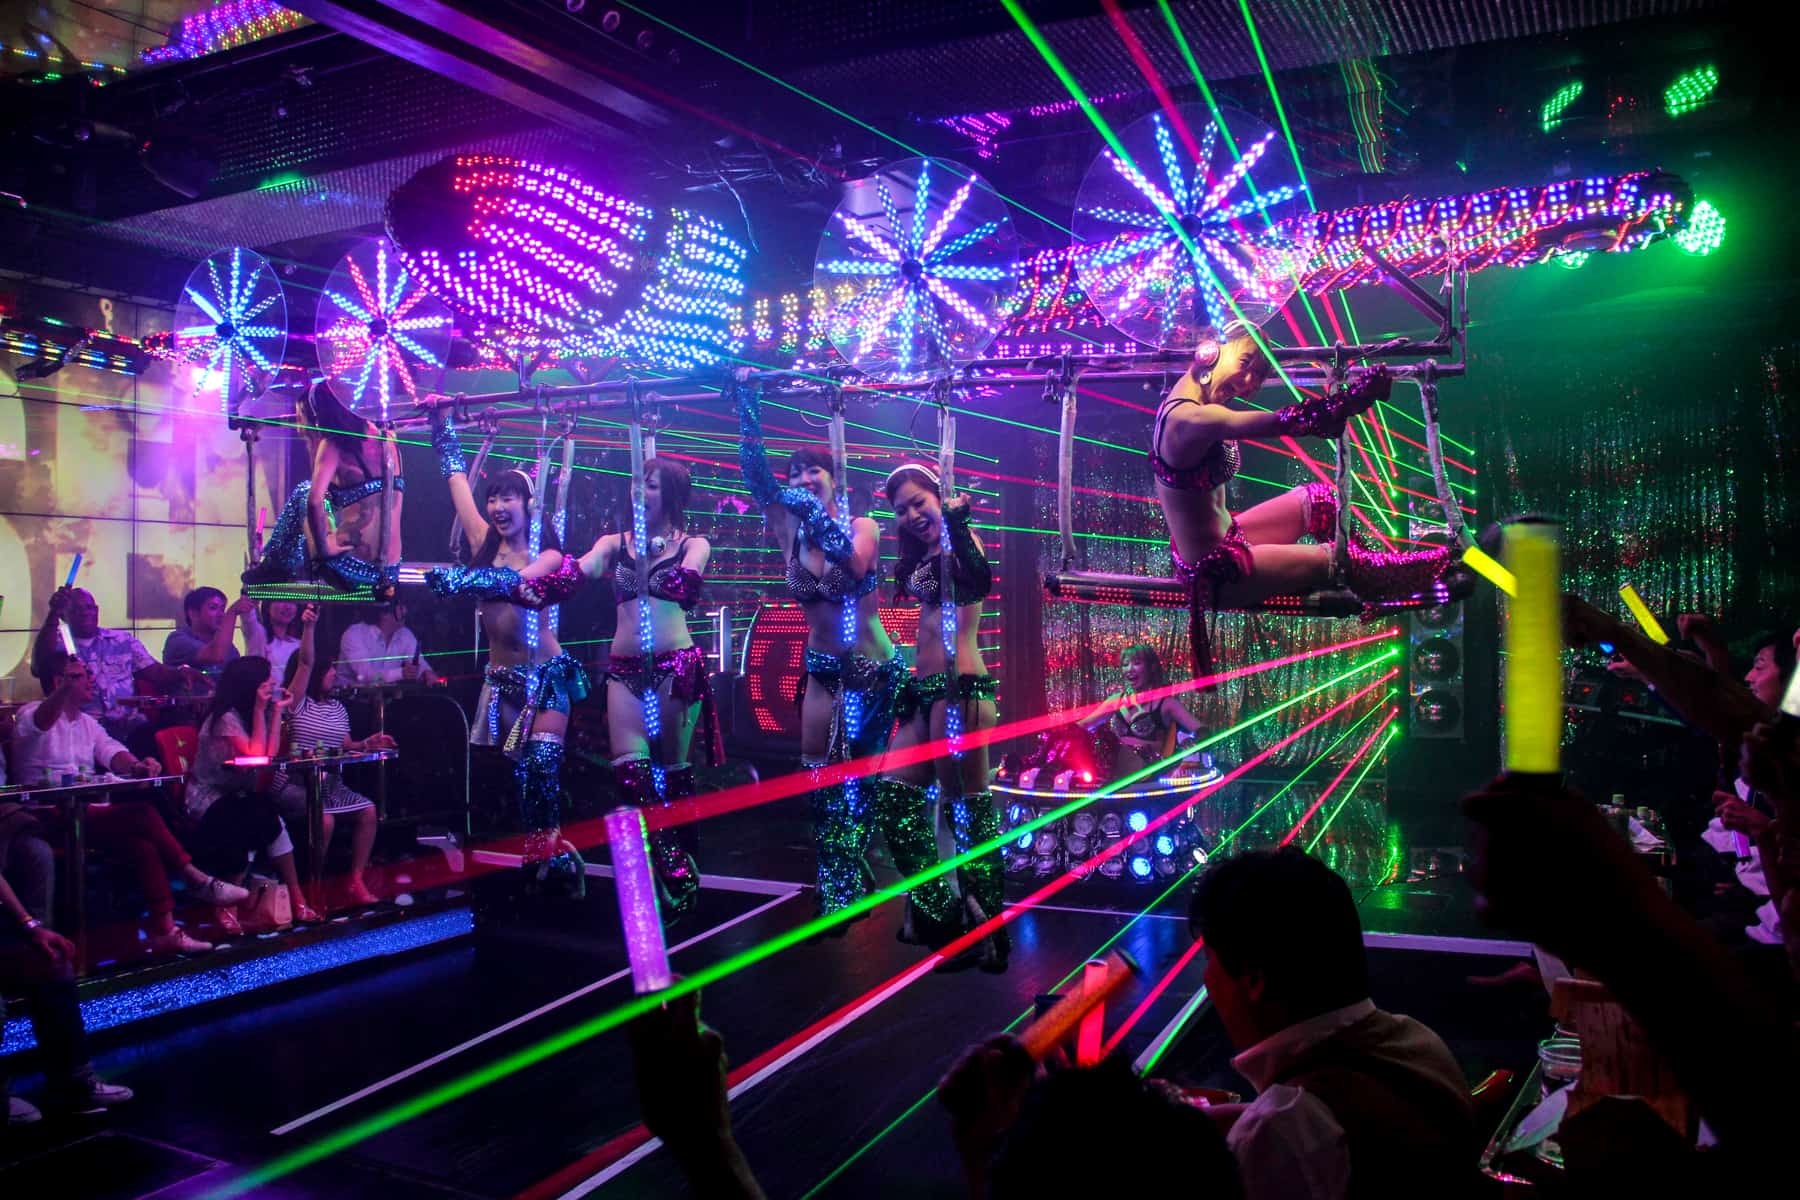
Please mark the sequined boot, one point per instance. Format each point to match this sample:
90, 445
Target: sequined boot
677, 879
841, 831
551, 862
1381, 576
904, 814
974, 821
284, 553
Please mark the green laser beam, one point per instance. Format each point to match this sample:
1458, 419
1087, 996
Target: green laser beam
1469, 450
549, 1047
1367, 764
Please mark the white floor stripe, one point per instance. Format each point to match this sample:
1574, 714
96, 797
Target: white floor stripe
720, 883
1495, 947
535, 1013
638, 1155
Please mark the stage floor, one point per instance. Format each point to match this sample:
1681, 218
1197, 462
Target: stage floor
843, 1106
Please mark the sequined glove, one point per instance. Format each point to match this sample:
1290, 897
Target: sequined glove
550, 589
682, 585
970, 564
451, 460
816, 525
1325, 415
486, 583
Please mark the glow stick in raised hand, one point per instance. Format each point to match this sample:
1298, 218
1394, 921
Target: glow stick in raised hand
1645, 618
1489, 569
636, 887
74, 568
1097, 986
1534, 676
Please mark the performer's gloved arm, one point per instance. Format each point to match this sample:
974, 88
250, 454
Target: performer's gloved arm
816, 525
486, 583
552, 588
448, 445
1325, 415
753, 458
966, 556
683, 585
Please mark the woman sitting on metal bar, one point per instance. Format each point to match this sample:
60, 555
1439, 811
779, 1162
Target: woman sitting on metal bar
1238, 561
651, 733
925, 706
531, 685
853, 675
330, 514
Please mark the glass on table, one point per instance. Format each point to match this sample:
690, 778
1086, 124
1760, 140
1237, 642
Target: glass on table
1559, 1061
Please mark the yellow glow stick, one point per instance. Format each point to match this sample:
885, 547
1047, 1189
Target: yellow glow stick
1534, 677
1645, 618
1486, 566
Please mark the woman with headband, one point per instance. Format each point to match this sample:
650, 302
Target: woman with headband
1239, 561
944, 688
337, 512
852, 677
673, 679
531, 684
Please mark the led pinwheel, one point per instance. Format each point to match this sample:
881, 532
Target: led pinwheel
380, 334
230, 323
919, 262
1179, 238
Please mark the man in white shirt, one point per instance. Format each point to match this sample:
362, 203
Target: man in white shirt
117, 660
1351, 1101
383, 650
54, 737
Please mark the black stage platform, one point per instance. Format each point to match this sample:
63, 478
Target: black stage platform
222, 1090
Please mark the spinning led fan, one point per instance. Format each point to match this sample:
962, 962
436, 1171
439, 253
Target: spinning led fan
1182, 238
380, 333
230, 326
917, 264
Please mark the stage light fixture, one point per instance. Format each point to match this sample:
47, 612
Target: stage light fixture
1166, 867
1435, 710
1137, 820
1165, 845
1690, 90
1437, 659
1141, 868
1705, 230
1573, 260
1045, 843
1111, 825
1199, 856
1076, 845
1113, 867
1044, 864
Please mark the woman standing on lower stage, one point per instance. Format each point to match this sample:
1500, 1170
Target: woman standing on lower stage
852, 678
531, 684
675, 671
964, 685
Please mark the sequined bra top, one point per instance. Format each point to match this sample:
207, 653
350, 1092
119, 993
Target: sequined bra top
343, 497
835, 586
1146, 725
926, 580
666, 577
1215, 469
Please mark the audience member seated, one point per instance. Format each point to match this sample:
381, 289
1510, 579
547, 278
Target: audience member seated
38, 962
281, 630
1014, 1134
204, 641
1351, 1100
381, 649
54, 737
237, 818
118, 661
314, 720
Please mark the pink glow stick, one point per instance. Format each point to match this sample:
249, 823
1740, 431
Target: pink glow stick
636, 887
1092, 1030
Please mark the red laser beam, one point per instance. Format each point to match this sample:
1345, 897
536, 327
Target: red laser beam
1332, 786
1147, 69
1155, 993
601, 1157
1448, 461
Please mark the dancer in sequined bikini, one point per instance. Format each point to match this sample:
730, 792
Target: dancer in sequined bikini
531, 684
926, 702
852, 678
676, 670
1236, 561
336, 515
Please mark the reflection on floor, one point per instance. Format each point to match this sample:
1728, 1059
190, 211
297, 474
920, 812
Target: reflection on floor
246, 1083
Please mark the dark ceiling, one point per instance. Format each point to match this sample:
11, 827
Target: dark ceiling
759, 109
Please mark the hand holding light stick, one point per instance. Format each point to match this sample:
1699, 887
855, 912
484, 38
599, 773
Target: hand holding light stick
1534, 677
1645, 618
636, 887
68, 638
1100, 980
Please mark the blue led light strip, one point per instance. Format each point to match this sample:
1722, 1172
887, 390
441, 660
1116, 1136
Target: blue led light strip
217, 983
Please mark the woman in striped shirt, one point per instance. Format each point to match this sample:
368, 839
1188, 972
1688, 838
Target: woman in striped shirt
314, 720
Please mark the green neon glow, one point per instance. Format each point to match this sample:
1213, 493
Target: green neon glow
1573, 259
1690, 90
1705, 230
1466, 449
1280, 111
1368, 763
549, 1047
1155, 904
1551, 115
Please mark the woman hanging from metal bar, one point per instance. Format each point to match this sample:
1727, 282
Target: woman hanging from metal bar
657, 688
518, 568
852, 673
353, 543
953, 691
1238, 561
